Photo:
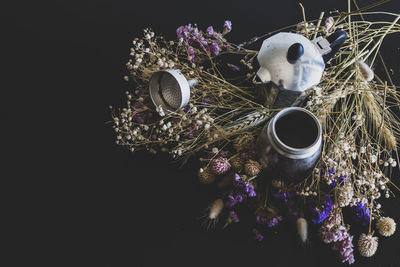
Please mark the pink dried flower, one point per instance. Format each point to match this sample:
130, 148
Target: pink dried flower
220, 165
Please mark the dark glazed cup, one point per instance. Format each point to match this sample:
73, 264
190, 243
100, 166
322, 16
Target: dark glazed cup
290, 144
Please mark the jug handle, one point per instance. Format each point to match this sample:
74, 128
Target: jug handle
336, 41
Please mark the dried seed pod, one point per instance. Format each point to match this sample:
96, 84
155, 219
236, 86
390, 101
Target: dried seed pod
206, 176
236, 163
252, 168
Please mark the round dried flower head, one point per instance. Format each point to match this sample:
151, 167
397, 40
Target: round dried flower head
367, 245
252, 167
236, 163
220, 165
386, 226
206, 176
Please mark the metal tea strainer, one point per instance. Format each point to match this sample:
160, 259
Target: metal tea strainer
170, 89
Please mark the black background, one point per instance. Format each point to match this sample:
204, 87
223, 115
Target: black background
80, 200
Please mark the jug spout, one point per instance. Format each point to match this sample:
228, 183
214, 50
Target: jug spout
264, 75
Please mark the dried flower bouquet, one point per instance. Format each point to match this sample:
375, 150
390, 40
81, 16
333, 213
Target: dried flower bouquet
227, 111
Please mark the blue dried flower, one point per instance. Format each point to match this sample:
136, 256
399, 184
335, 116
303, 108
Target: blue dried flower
288, 203
361, 213
339, 181
321, 213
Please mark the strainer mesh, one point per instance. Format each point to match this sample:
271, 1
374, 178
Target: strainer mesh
170, 91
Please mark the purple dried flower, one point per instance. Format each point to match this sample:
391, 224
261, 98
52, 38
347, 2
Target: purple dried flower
341, 178
191, 132
250, 190
284, 196
274, 221
195, 33
137, 105
242, 190
258, 236
261, 219
179, 31
321, 213
220, 165
214, 49
361, 213
339, 181
143, 91
184, 32
208, 99
287, 199
191, 53
202, 41
228, 25
233, 67
345, 246
234, 217
329, 236
231, 201
210, 31
239, 198
137, 117
333, 232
